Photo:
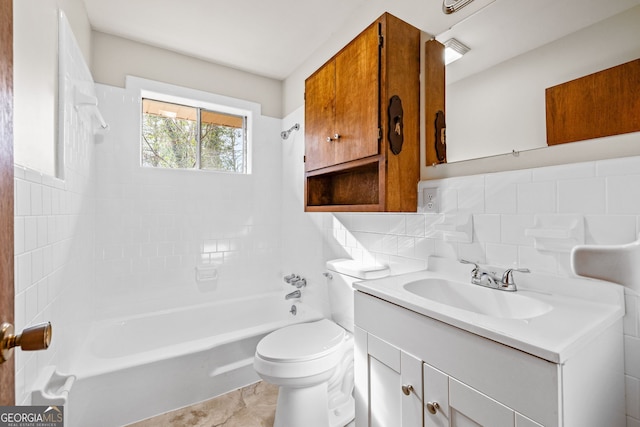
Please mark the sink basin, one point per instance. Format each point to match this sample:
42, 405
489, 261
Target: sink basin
489, 302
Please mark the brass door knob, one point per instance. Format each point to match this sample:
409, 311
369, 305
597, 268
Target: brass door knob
36, 337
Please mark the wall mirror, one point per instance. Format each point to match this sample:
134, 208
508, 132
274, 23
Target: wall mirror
495, 94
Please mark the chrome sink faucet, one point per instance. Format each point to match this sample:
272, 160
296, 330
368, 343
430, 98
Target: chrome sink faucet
490, 279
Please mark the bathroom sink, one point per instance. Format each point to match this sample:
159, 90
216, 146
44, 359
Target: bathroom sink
476, 299
548, 316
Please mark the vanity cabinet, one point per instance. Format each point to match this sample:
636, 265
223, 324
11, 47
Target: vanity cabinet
350, 164
460, 379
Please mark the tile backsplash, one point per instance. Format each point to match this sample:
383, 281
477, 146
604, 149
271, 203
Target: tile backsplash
604, 194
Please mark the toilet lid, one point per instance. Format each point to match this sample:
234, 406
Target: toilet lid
304, 341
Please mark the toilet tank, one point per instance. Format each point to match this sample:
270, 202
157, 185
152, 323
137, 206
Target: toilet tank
342, 274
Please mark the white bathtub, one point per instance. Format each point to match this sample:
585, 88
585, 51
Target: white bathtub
139, 366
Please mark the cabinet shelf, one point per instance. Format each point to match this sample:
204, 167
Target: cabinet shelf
351, 188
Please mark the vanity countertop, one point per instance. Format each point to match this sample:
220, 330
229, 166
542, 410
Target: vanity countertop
580, 308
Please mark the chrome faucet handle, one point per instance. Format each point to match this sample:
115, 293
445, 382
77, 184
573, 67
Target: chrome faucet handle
300, 283
507, 276
291, 278
476, 267
508, 283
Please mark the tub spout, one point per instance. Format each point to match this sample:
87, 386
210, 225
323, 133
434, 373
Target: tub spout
294, 294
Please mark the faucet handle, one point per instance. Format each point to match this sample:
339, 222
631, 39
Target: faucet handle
476, 267
301, 282
507, 276
291, 278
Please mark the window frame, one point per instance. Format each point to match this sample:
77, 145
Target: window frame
164, 92
198, 136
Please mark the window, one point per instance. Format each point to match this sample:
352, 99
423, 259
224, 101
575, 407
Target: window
179, 136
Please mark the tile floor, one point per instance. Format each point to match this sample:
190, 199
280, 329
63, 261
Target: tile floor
251, 406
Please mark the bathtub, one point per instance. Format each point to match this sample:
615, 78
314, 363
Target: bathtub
135, 367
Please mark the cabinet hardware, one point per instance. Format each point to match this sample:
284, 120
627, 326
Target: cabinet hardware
407, 389
433, 407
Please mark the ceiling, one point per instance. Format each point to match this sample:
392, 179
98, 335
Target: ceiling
272, 38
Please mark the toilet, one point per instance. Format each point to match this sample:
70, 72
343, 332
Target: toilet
312, 363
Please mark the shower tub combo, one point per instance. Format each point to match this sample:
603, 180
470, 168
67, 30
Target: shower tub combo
139, 366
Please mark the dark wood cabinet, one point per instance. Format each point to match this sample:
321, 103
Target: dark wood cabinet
349, 165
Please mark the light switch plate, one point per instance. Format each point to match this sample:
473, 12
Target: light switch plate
430, 198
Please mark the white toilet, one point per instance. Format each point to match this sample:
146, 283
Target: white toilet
313, 362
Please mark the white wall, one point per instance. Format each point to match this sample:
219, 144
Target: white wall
114, 58
36, 77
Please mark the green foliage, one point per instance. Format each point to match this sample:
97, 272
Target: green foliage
172, 143
222, 148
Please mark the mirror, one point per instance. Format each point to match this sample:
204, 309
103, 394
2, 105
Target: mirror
495, 94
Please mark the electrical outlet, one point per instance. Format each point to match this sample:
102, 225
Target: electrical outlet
430, 200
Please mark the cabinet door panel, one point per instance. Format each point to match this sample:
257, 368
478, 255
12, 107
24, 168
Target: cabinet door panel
436, 390
319, 117
357, 91
476, 407
385, 407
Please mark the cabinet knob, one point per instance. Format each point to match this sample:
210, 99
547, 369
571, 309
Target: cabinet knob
336, 136
433, 407
329, 139
407, 389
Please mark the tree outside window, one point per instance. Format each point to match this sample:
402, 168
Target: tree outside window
183, 137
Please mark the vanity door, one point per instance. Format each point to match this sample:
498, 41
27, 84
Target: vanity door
388, 385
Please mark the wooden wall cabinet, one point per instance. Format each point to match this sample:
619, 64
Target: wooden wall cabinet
349, 165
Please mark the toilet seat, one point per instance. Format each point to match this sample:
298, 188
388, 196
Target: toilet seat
301, 342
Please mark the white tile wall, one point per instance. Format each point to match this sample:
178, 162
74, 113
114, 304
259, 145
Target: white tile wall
606, 192
154, 226
54, 229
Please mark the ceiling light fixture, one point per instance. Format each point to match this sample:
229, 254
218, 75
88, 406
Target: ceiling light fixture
453, 50
451, 6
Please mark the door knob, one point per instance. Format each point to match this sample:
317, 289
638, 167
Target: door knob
36, 337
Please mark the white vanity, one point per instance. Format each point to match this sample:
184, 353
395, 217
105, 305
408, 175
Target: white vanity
434, 350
